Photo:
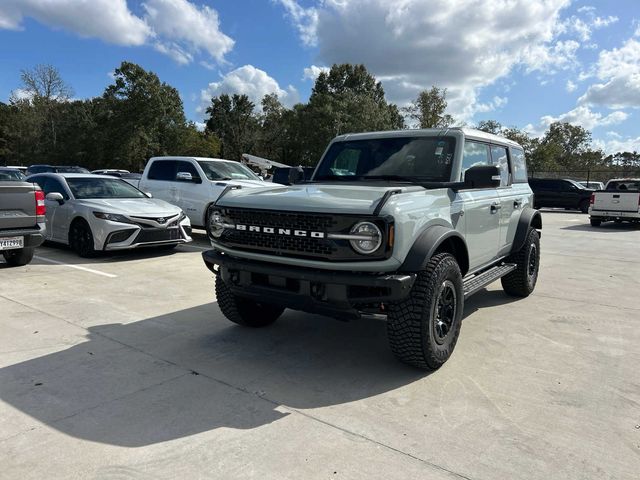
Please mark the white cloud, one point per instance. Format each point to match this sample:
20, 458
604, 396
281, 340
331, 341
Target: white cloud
583, 27
463, 46
571, 86
312, 72
582, 116
250, 81
619, 72
109, 20
618, 144
185, 29
304, 19
176, 28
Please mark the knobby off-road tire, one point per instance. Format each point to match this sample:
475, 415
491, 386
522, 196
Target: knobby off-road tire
424, 328
244, 311
19, 257
595, 222
522, 281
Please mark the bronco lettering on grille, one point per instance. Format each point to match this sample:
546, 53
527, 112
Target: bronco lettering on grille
279, 231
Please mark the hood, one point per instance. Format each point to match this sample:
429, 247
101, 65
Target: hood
356, 199
131, 206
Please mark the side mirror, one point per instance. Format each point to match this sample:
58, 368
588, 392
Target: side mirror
184, 177
148, 194
55, 197
485, 176
296, 175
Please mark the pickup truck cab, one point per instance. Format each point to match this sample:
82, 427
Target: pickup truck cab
401, 225
22, 220
194, 183
619, 202
563, 193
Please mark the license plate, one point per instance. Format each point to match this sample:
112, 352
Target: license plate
11, 243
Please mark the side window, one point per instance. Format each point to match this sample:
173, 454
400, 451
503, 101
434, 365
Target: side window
518, 165
188, 167
475, 154
49, 185
499, 158
162, 170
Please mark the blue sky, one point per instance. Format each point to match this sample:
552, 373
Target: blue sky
524, 63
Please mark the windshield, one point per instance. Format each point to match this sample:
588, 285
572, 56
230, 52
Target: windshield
226, 171
11, 176
84, 187
419, 158
71, 170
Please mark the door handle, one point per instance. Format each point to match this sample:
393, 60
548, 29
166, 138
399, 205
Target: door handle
495, 207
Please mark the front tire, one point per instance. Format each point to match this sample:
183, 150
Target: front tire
522, 281
244, 311
424, 328
81, 239
19, 257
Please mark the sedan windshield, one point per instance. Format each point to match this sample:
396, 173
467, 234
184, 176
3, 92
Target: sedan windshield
417, 158
85, 187
226, 171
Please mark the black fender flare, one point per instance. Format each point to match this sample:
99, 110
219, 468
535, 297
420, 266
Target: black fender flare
433, 239
529, 218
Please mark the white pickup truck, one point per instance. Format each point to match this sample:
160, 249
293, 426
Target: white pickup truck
619, 202
194, 183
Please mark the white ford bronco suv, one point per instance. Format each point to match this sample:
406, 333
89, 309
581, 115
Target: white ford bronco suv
402, 225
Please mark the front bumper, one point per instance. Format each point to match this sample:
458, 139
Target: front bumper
124, 236
336, 294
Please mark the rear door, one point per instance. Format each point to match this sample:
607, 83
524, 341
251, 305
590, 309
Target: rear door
160, 180
509, 203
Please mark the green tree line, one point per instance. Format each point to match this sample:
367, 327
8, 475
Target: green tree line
138, 117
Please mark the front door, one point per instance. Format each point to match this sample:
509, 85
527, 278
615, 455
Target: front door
481, 210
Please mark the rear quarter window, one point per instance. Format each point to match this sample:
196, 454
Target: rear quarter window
519, 166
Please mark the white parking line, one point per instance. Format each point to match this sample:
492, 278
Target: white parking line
77, 267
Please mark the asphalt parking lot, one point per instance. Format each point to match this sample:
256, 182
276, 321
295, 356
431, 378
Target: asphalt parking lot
123, 367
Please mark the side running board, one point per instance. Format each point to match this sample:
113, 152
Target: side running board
477, 282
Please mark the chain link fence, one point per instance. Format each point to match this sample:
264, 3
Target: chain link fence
595, 175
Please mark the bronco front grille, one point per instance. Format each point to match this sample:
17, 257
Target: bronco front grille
291, 245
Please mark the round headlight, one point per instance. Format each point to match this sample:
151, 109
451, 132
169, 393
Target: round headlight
217, 223
371, 238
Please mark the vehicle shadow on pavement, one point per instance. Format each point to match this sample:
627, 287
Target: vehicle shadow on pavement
192, 371
64, 253
607, 227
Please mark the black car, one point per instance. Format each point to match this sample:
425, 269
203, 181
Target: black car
55, 169
551, 192
281, 174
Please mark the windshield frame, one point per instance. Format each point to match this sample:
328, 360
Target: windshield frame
127, 186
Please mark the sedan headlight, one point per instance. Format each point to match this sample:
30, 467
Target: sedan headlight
113, 217
371, 238
218, 222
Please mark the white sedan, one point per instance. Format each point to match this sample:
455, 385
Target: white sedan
91, 213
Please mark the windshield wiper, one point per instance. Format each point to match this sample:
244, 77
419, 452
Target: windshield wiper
425, 182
